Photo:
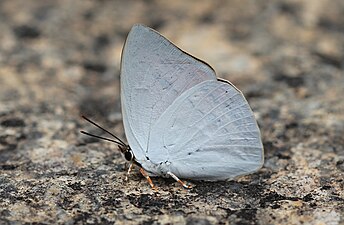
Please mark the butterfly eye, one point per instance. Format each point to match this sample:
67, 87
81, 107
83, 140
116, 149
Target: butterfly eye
128, 155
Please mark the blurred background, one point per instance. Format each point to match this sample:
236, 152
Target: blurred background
60, 59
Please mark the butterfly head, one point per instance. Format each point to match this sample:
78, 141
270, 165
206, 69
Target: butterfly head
127, 152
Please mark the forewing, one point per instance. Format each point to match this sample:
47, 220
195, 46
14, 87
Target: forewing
154, 72
209, 133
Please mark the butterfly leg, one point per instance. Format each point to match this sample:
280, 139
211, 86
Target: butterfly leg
178, 180
129, 170
144, 173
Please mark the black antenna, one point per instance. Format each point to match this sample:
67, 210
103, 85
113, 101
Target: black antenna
90, 121
103, 138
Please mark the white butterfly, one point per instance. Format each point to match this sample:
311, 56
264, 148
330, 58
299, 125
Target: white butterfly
180, 120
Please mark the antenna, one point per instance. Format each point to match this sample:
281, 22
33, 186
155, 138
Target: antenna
100, 137
120, 142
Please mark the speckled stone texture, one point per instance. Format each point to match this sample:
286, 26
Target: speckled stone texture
60, 59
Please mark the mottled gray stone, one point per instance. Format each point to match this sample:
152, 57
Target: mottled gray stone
60, 59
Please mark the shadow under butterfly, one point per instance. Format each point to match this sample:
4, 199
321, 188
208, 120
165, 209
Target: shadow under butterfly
180, 120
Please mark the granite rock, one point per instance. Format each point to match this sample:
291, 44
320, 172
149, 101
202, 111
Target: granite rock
60, 59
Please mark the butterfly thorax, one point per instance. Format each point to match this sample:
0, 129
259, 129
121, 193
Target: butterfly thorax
156, 169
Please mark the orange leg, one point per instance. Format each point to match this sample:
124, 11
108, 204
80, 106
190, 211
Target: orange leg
178, 180
143, 172
129, 170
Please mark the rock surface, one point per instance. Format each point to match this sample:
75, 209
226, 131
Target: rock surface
59, 59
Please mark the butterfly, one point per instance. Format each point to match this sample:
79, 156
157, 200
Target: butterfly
180, 120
